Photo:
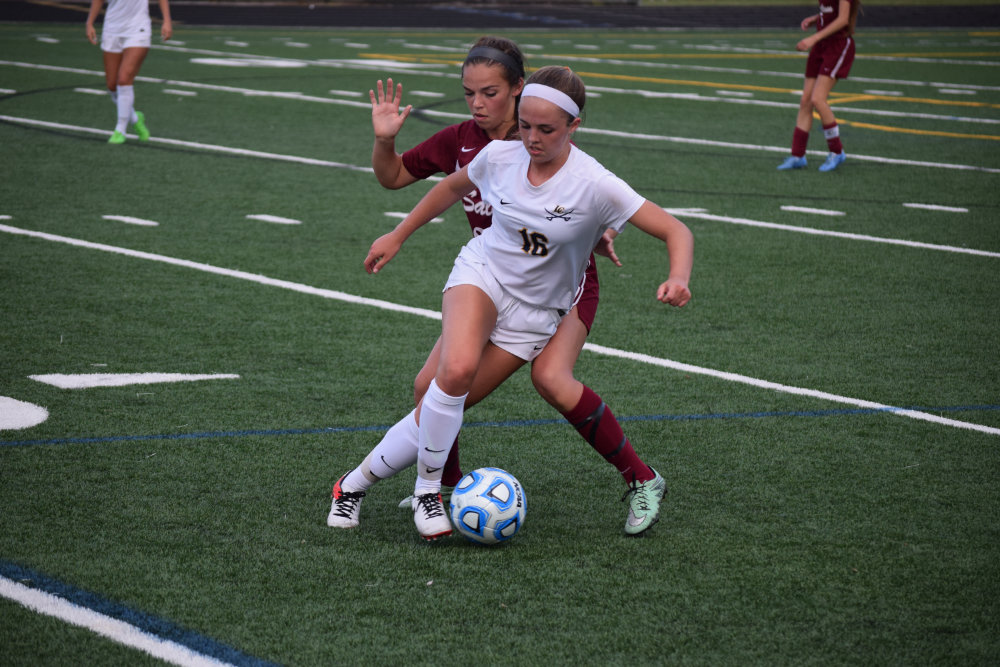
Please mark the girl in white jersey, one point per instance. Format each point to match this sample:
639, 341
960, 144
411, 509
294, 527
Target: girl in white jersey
492, 78
126, 36
512, 284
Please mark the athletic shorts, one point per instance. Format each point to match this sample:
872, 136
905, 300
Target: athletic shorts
521, 329
586, 305
831, 57
118, 42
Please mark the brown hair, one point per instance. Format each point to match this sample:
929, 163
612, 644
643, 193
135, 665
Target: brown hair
501, 51
852, 20
563, 79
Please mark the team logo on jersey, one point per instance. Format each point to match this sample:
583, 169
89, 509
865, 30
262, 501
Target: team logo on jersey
558, 212
472, 203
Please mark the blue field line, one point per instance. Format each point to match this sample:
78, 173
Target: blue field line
152, 625
491, 424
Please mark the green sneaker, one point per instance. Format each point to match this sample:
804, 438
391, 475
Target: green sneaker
140, 126
117, 138
643, 504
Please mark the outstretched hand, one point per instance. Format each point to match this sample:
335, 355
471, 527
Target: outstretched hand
387, 119
674, 293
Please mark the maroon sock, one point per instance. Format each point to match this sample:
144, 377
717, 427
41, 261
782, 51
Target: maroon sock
832, 134
598, 426
452, 469
800, 139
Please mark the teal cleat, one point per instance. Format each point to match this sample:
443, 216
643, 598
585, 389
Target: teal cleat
644, 504
833, 160
793, 162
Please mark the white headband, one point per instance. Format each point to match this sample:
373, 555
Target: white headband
550, 94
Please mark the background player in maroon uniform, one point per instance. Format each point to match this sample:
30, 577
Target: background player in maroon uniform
492, 77
831, 52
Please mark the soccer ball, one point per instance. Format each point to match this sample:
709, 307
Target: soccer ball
488, 506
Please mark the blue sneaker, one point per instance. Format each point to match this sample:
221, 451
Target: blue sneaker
833, 160
793, 162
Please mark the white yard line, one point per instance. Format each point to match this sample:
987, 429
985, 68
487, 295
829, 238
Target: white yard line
378, 66
106, 626
702, 215
445, 114
597, 349
690, 213
128, 219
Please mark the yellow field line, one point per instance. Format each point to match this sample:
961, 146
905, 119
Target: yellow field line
846, 98
76, 8
925, 133
835, 97
974, 54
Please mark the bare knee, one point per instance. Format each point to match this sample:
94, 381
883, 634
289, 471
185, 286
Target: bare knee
552, 382
455, 379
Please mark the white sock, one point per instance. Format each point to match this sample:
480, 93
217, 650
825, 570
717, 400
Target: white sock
125, 103
440, 422
396, 451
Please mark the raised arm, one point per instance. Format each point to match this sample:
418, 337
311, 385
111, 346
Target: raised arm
434, 203
387, 120
653, 220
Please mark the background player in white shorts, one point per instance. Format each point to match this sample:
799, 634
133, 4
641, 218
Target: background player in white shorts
126, 36
511, 284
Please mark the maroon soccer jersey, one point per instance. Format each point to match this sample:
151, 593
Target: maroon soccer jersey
448, 151
833, 55
829, 10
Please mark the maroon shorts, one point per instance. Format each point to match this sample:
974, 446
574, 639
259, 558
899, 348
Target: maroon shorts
831, 57
586, 307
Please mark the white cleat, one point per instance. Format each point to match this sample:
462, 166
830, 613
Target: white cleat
430, 516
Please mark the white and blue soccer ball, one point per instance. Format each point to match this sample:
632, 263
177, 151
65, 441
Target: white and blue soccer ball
488, 506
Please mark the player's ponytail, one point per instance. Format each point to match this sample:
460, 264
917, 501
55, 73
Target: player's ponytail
852, 20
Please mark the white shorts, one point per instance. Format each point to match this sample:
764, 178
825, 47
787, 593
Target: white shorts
522, 329
118, 42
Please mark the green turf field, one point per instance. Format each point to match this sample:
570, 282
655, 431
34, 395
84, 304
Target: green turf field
826, 410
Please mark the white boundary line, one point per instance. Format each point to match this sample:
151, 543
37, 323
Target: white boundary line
115, 630
461, 116
194, 144
445, 114
702, 215
598, 349
682, 212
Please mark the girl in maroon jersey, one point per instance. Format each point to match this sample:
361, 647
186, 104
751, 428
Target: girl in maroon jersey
493, 76
831, 52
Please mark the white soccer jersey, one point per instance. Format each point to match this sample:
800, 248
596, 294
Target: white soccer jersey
541, 238
126, 16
